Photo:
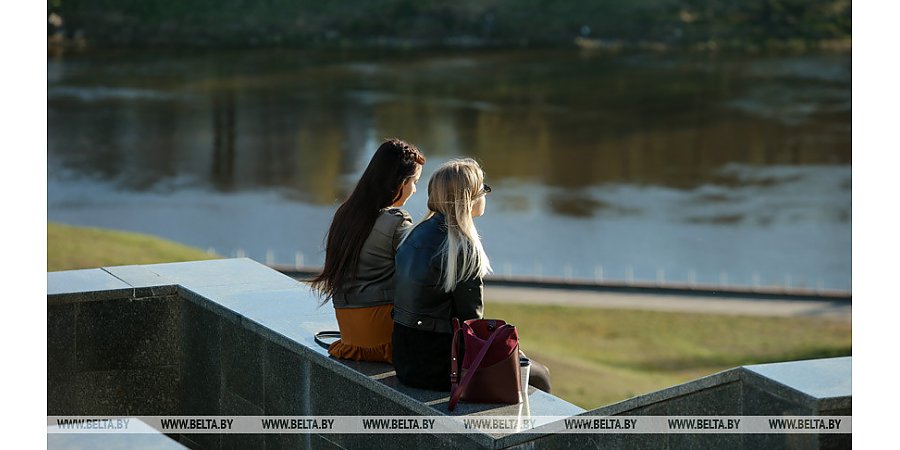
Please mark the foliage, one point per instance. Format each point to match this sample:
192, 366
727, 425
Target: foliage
731, 23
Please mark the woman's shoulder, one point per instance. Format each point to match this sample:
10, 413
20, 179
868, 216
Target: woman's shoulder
429, 233
390, 219
393, 213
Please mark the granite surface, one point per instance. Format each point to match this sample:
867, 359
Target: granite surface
85, 285
148, 439
146, 282
825, 382
235, 337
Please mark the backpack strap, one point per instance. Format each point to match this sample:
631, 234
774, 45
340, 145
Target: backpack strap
454, 354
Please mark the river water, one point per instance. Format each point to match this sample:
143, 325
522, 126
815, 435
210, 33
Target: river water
709, 168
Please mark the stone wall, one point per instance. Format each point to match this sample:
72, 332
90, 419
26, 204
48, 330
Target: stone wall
233, 337
115, 352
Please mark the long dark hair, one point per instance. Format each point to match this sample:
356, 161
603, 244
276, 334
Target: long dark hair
379, 187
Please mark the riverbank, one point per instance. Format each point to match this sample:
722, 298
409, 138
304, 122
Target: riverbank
601, 356
711, 24
597, 356
71, 248
728, 304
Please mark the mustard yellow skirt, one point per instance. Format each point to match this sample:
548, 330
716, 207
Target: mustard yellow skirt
365, 334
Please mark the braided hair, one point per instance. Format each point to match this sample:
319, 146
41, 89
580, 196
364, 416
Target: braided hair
380, 185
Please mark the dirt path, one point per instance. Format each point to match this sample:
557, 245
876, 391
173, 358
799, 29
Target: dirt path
838, 309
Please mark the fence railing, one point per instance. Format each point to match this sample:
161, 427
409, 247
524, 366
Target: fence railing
599, 277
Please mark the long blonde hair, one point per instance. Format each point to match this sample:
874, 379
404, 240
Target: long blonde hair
452, 191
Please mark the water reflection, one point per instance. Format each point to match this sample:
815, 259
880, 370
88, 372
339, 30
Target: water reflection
707, 139
223, 112
561, 121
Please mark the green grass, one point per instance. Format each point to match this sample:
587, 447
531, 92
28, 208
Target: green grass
596, 356
601, 356
71, 248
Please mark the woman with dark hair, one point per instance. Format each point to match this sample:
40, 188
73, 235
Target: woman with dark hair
359, 253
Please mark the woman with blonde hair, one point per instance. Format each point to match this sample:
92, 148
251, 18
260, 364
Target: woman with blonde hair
439, 270
359, 254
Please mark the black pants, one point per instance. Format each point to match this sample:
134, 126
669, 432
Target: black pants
539, 377
422, 360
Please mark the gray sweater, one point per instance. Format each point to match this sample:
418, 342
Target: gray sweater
374, 283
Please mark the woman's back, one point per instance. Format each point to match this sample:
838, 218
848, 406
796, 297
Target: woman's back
363, 305
420, 301
374, 284
439, 276
359, 254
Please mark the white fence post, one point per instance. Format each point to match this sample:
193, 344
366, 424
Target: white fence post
298, 260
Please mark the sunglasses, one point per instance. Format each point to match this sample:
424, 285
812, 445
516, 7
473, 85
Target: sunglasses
485, 190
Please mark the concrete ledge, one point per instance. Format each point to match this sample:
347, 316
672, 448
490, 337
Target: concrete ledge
816, 385
144, 438
233, 337
821, 384
85, 285
239, 322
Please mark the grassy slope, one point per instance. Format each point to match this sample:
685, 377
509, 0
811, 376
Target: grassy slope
599, 356
71, 247
596, 356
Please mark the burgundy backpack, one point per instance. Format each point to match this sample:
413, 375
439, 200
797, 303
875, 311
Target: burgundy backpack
490, 366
